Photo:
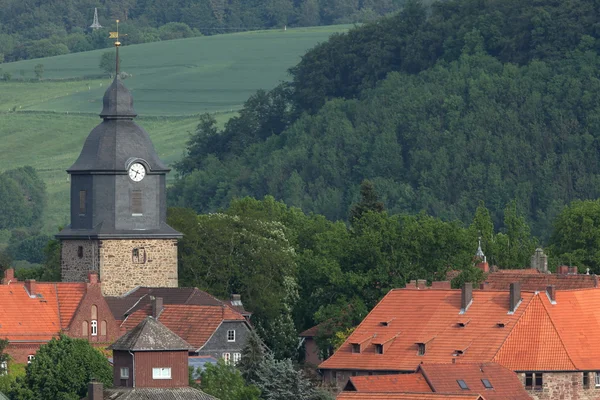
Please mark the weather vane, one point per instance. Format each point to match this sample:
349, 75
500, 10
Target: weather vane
115, 35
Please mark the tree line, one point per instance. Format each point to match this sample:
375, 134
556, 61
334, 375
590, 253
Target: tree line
49, 28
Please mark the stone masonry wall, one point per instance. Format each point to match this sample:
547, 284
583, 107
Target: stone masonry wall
73, 267
564, 386
121, 269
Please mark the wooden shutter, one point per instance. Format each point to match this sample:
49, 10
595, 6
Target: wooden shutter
136, 202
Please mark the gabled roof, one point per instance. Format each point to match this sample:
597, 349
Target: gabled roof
186, 393
432, 316
506, 385
407, 396
389, 383
193, 323
41, 317
532, 279
150, 335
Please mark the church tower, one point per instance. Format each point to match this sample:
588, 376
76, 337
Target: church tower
118, 206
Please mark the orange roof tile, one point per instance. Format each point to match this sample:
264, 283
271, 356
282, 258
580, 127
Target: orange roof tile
506, 384
69, 297
431, 314
407, 396
390, 383
532, 279
194, 324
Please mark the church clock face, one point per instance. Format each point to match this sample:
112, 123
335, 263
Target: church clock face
137, 172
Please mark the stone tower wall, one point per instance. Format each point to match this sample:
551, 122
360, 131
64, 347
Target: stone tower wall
122, 268
73, 267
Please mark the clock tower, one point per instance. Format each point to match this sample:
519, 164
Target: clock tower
118, 206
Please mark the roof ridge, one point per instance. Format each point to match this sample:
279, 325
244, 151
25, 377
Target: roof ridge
427, 380
557, 332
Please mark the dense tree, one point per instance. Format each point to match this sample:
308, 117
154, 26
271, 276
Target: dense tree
108, 62
61, 370
4, 357
369, 201
22, 198
225, 382
253, 353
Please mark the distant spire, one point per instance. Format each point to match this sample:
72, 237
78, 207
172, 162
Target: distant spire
95, 24
479, 253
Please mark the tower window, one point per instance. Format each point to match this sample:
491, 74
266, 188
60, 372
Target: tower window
82, 199
138, 255
80, 251
136, 202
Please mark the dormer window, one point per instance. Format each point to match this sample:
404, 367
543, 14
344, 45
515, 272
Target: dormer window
463, 323
501, 324
231, 335
355, 348
462, 384
487, 384
379, 348
421, 349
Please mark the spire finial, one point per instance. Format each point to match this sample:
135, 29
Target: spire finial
479, 253
115, 35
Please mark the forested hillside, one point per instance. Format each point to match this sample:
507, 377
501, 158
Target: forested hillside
471, 101
36, 28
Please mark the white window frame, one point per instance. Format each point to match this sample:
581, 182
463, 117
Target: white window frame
30, 358
4, 366
236, 358
231, 334
124, 372
597, 379
161, 373
94, 327
226, 357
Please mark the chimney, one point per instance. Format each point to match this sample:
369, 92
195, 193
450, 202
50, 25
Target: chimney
572, 270
515, 296
551, 292
466, 297
539, 260
93, 278
95, 391
236, 300
30, 287
484, 285
421, 284
484, 266
441, 285
157, 306
563, 270
9, 276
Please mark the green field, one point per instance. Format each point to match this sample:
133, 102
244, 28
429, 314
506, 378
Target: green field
44, 124
177, 77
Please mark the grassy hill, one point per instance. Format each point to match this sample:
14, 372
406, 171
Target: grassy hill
45, 123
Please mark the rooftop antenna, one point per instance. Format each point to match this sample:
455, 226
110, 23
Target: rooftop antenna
95, 25
115, 35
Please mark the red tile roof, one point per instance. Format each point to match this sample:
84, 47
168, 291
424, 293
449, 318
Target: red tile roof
391, 383
406, 396
430, 316
506, 384
193, 323
532, 279
69, 297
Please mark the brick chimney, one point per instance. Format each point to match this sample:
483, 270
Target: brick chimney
95, 391
93, 278
484, 266
551, 292
157, 306
466, 296
563, 270
9, 276
421, 284
236, 298
30, 286
572, 270
441, 285
515, 296
484, 285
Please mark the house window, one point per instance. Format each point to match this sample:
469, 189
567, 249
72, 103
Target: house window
355, 348
161, 373
462, 384
227, 357
421, 349
136, 203
80, 251
138, 255
30, 358
125, 373
82, 198
597, 381
231, 335
237, 357
586, 380
379, 348
534, 380
94, 326
103, 328
487, 384
3, 368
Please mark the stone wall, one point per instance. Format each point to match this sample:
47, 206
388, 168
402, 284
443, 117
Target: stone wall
122, 268
565, 385
73, 267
